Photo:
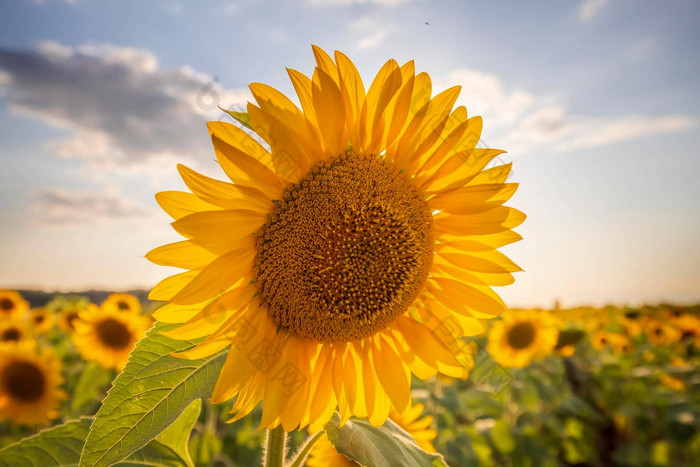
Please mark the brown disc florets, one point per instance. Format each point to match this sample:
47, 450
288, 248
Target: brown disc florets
521, 336
345, 251
23, 381
114, 333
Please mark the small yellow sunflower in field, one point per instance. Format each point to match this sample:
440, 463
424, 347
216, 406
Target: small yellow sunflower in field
359, 249
12, 305
689, 327
520, 337
40, 320
600, 339
661, 333
323, 454
30, 383
69, 313
123, 302
108, 336
13, 331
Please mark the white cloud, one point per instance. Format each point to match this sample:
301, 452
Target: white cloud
589, 8
626, 128
484, 94
522, 122
123, 107
57, 206
369, 31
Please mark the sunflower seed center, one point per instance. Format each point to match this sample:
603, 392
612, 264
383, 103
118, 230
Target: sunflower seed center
114, 333
11, 335
521, 335
345, 251
23, 381
6, 304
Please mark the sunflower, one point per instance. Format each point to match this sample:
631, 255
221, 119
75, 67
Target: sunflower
29, 384
360, 248
123, 302
13, 331
661, 333
12, 305
324, 454
522, 336
108, 336
40, 320
68, 314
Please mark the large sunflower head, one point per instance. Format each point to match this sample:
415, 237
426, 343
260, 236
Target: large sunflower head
40, 320
522, 336
12, 305
124, 302
29, 384
108, 336
323, 454
13, 331
355, 245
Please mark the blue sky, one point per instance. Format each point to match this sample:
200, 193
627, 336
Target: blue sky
596, 102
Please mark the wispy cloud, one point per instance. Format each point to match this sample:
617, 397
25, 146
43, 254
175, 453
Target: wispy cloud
626, 128
370, 31
523, 122
589, 8
123, 107
57, 206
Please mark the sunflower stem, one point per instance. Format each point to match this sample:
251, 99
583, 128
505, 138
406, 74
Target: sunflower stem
303, 452
275, 447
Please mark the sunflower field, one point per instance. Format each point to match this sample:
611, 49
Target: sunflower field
335, 304
583, 386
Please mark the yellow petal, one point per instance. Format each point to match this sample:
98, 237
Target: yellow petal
457, 170
179, 204
225, 195
381, 91
218, 277
302, 85
353, 91
325, 62
473, 199
492, 221
242, 168
185, 255
328, 104
222, 230
170, 286
288, 158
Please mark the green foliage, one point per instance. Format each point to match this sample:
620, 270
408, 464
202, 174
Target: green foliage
57, 446
387, 445
61, 445
147, 397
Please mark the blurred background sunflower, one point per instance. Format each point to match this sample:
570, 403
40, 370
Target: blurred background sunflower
107, 336
521, 336
30, 383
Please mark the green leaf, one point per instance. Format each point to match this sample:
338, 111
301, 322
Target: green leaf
61, 445
241, 117
148, 396
170, 447
387, 445
56, 446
